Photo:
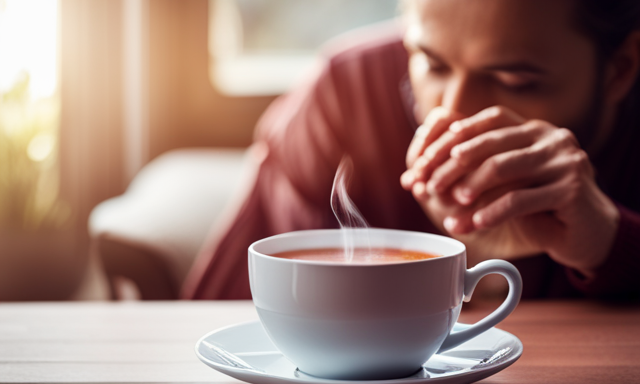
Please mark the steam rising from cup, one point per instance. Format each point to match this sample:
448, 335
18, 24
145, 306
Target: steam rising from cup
345, 210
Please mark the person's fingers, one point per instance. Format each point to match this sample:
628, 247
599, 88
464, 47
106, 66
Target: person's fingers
433, 156
445, 175
486, 120
485, 145
470, 154
419, 191
460, 131
435, 124
459, 225
546, 160
407, 179
520, 203
502, 168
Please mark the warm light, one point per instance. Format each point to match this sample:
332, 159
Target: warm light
40, 147
28, 31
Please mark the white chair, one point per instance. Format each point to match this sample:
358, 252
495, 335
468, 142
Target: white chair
151, 234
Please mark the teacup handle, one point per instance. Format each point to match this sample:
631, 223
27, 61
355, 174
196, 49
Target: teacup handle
471, 278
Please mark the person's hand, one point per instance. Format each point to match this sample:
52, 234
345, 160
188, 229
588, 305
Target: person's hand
425, 151
435, 128
498, 173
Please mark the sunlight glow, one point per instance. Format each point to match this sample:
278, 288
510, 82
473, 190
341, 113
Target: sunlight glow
28, 32
41, 146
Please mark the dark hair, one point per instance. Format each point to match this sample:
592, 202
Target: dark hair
608, 23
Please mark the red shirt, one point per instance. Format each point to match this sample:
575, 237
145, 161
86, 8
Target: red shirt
360, 103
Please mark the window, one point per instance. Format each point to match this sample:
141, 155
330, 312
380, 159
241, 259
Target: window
29, 114
261, 47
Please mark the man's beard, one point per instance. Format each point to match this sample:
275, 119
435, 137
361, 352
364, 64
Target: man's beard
589, 130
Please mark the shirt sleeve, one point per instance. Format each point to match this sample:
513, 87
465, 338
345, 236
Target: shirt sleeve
618, 276
296, 152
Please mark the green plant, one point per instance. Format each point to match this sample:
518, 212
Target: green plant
29, 180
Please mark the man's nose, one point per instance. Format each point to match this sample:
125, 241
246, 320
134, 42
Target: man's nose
465, 94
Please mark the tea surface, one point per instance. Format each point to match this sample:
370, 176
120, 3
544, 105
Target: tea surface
360, 255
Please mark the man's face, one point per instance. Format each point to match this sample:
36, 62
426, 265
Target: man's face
527, 55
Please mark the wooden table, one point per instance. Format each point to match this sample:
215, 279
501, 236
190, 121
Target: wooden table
564, 341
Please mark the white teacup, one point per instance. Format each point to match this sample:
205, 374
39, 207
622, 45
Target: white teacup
368, 322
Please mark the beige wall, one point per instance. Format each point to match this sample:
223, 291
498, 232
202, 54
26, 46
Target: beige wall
184, 108
91, 114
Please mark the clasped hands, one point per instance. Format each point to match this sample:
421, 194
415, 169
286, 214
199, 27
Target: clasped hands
510, 187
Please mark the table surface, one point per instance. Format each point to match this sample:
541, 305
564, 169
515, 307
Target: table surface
564, 341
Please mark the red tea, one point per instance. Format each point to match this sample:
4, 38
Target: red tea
360, 255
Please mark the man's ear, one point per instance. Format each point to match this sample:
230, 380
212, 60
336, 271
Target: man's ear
622, 69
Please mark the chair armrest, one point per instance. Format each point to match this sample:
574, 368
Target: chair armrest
166, 214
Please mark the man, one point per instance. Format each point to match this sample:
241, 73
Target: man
526, 149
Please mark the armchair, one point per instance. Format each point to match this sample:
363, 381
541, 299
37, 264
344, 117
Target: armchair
151, 234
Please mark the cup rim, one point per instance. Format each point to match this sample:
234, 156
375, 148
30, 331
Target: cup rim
252, 250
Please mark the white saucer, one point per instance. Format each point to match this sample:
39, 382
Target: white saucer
245, 352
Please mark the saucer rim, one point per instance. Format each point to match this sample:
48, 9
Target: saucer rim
482, 373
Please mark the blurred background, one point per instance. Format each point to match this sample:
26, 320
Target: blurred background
123, 129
